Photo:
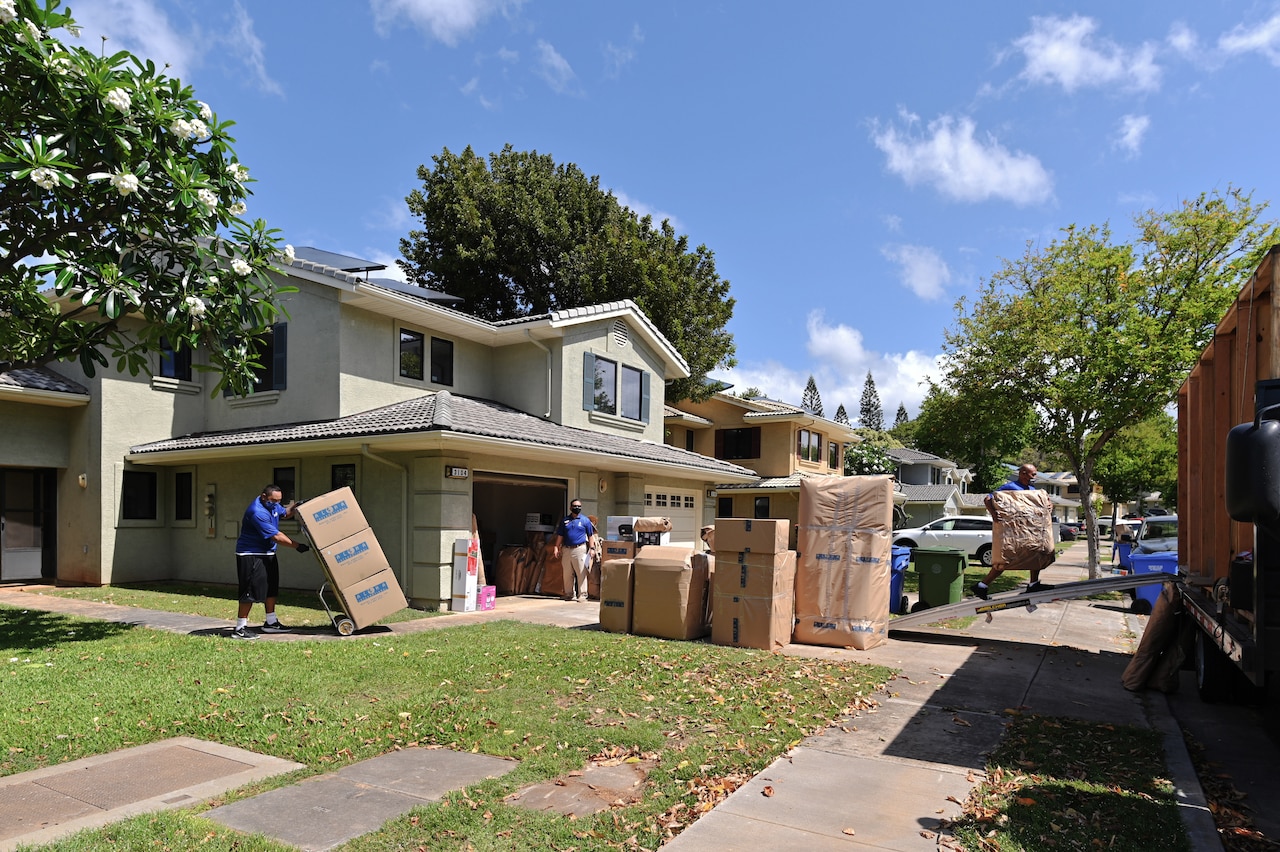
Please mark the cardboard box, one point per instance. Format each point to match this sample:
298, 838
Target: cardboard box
842, 588
853, 503
487, 599
670, 593
331, 517
751, 535
463, 603
615, 595
619, 550
742, 621
1023, 538
551, 580
373, 598
354, 558
466, 579
755, 575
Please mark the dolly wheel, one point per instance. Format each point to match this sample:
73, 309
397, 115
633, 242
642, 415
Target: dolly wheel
346, 626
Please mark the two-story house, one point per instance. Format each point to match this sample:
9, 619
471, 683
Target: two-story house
934, 486
783, 443
431, 415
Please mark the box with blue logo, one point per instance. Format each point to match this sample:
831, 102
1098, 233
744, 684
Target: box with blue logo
331, 517
354, 558
373, 598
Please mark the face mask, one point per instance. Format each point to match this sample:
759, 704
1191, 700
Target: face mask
576, 509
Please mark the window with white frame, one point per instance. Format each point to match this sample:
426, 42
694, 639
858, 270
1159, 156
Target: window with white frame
612, 388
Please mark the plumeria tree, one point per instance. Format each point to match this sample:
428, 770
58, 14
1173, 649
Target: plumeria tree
122, 210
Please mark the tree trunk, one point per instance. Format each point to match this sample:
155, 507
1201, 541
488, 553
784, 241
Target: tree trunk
1084, 478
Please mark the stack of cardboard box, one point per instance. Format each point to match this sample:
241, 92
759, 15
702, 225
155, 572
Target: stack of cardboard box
358, 569
670, 596
753, 591
843, 571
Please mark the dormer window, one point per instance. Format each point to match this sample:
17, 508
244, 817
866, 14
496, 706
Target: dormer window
612, 388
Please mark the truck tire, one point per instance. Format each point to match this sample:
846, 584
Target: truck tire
1213, 670
984, 555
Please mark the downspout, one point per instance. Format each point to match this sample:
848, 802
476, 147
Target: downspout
404, 510
536, 343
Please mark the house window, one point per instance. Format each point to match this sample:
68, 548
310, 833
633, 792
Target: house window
412, 347
660, 500
738, 443
688, 439
809, 446
287, 479
688, 501
610, 388
138, 496
648, 499
442, 361
272, 348
342, 476
175, 363
183, 499
724, 507
833, 456
762, 507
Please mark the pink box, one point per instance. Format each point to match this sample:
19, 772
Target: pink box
485, 597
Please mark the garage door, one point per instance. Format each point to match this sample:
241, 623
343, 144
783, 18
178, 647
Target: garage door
680, 507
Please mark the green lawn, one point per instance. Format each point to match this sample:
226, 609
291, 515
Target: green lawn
708, 717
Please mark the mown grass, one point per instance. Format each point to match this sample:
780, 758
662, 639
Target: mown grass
707, 717
215, 600
1074, 785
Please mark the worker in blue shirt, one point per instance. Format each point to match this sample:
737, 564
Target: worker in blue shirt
1026, 474
573, 537
257, 571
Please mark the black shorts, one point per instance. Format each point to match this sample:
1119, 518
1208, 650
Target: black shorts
258, 577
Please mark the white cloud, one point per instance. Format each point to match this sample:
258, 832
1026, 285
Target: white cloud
554, 68
962, 167
141, 28
921, 269
619, 56
508, 56
1263, 38
380, 66
393, 216
893, 222
379, 256
1064, 51
642, 209
1183, 40
843, 362
444, 20
245, 42
1131, 132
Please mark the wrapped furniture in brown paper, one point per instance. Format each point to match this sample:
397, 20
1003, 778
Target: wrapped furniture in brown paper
615, 595
552, 582
669, 593
505, 572
1022, 540
843, 568
651, 525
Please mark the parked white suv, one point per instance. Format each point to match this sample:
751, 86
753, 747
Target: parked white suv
969, 533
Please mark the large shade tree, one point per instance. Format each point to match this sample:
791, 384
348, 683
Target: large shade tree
519, 234
976, 427
121, 191
1141, 459
1096, 335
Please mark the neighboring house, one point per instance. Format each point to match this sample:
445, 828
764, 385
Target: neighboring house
933, 486
783, 443
431, 415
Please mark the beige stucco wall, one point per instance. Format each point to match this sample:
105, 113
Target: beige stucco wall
520, 377
596, 338
35, 435
782, 504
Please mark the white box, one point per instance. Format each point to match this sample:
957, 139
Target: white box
463, 603
612, 522
466, 569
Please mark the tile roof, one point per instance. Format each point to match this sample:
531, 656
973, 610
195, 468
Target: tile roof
973, 500
445, 411
670, 413
928, 493
42, 379
906, 455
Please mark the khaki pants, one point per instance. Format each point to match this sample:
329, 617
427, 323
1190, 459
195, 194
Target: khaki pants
573, 561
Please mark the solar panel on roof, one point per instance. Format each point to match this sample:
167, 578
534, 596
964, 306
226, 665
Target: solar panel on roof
338, 261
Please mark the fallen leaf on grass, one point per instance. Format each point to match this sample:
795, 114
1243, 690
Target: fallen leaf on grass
768, 791
1025, 800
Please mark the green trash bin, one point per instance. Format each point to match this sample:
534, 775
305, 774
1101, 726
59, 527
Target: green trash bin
941, 572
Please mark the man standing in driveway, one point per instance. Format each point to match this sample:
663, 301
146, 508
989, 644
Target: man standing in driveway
574, 533
1026, 474
257, 571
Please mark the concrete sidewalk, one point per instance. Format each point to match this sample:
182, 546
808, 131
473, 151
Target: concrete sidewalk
882, 779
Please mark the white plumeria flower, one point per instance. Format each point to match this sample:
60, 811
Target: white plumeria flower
199, 129
118, 99
180, 128
44, 178
239, 172
195, 306
237, 209
8, 12
213, 280
207, 200
240, 267
33, 33
288, 256
74, 29
124, 182
206, 112
60, 65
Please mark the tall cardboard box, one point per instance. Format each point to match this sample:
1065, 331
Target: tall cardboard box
843, 567
752, 535
354, 558
331, 517
669, 598
753, 599
466, 574
373, 598
615, 595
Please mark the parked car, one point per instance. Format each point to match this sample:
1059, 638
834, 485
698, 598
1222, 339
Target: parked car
969, 533
1158, 534
1068, 531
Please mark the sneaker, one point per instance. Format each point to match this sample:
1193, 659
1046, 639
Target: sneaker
276, 627
582, 598
980, 592
243, 633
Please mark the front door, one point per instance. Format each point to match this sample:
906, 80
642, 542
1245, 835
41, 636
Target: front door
24, 496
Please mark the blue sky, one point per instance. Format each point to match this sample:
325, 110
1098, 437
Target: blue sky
856, 168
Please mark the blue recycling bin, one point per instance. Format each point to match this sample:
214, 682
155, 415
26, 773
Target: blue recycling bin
1152, 563
1124, 549
898, 566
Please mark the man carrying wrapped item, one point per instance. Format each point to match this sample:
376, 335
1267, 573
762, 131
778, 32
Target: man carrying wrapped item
1022, 538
